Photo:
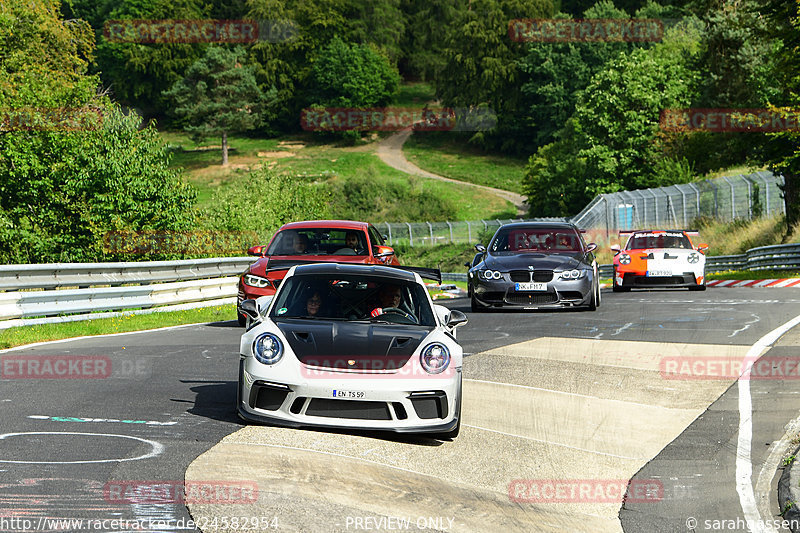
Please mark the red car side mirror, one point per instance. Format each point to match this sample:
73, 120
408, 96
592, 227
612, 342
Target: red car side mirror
257, 251
383, 253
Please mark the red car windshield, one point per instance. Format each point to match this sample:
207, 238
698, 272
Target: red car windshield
536, 239
319, 241
643, 241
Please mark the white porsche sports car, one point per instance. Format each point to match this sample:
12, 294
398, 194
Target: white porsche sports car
352, 346
659, 258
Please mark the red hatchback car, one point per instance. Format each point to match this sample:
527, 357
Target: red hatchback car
316, 241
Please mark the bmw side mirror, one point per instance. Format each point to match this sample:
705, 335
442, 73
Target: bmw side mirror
591, 247
248, 307
456, 318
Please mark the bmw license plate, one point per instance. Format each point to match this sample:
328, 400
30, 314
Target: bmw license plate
659, 273
530, 286
339, 393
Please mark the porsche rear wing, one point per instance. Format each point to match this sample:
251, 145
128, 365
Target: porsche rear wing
433, 274
692, 232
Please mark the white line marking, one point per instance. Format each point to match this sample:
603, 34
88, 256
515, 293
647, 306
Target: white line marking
623, 328
35, 344
744, 467
557, 444
157, 448
747, 325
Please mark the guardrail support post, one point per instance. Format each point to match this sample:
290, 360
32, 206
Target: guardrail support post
451, 232
430, 227
388, 227
410, 236
733, 198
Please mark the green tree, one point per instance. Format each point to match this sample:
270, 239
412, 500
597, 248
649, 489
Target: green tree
264, 202
138, 73
286, 64
219, 95
62, 192
481, 66
610, 142
352, 76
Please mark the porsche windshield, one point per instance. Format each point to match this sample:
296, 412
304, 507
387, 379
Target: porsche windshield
642, 241
353, 298
552, 240
319, 241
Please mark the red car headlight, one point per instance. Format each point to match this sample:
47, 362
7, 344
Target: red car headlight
256, 281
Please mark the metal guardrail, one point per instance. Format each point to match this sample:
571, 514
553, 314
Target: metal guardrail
99, 287
54, 275
210, 282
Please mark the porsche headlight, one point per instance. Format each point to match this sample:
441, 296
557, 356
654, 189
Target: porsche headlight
267, 349
491, 274
694, 257
624, 259
572, 274
435, 358
256, 281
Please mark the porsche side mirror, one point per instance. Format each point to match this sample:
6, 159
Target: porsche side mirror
456, 318
257, 251
591, 247
248, 307
481, 248
703, 248
615, 248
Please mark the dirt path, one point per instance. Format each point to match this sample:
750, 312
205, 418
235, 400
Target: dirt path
390, 150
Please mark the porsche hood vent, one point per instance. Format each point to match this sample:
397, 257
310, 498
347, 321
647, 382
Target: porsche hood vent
352, 346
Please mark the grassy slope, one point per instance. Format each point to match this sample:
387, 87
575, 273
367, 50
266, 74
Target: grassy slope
46, 332
449, 156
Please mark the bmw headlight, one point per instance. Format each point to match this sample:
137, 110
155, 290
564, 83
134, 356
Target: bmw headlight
267, 349
624, 259
256, 281
694, 257
572, 274
491, 274
435, 358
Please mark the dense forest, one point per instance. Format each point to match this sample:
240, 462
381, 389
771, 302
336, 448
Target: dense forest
585, 112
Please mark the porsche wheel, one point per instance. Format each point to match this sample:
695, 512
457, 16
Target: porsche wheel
615, 287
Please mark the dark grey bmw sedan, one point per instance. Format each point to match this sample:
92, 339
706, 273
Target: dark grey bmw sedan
535, 265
